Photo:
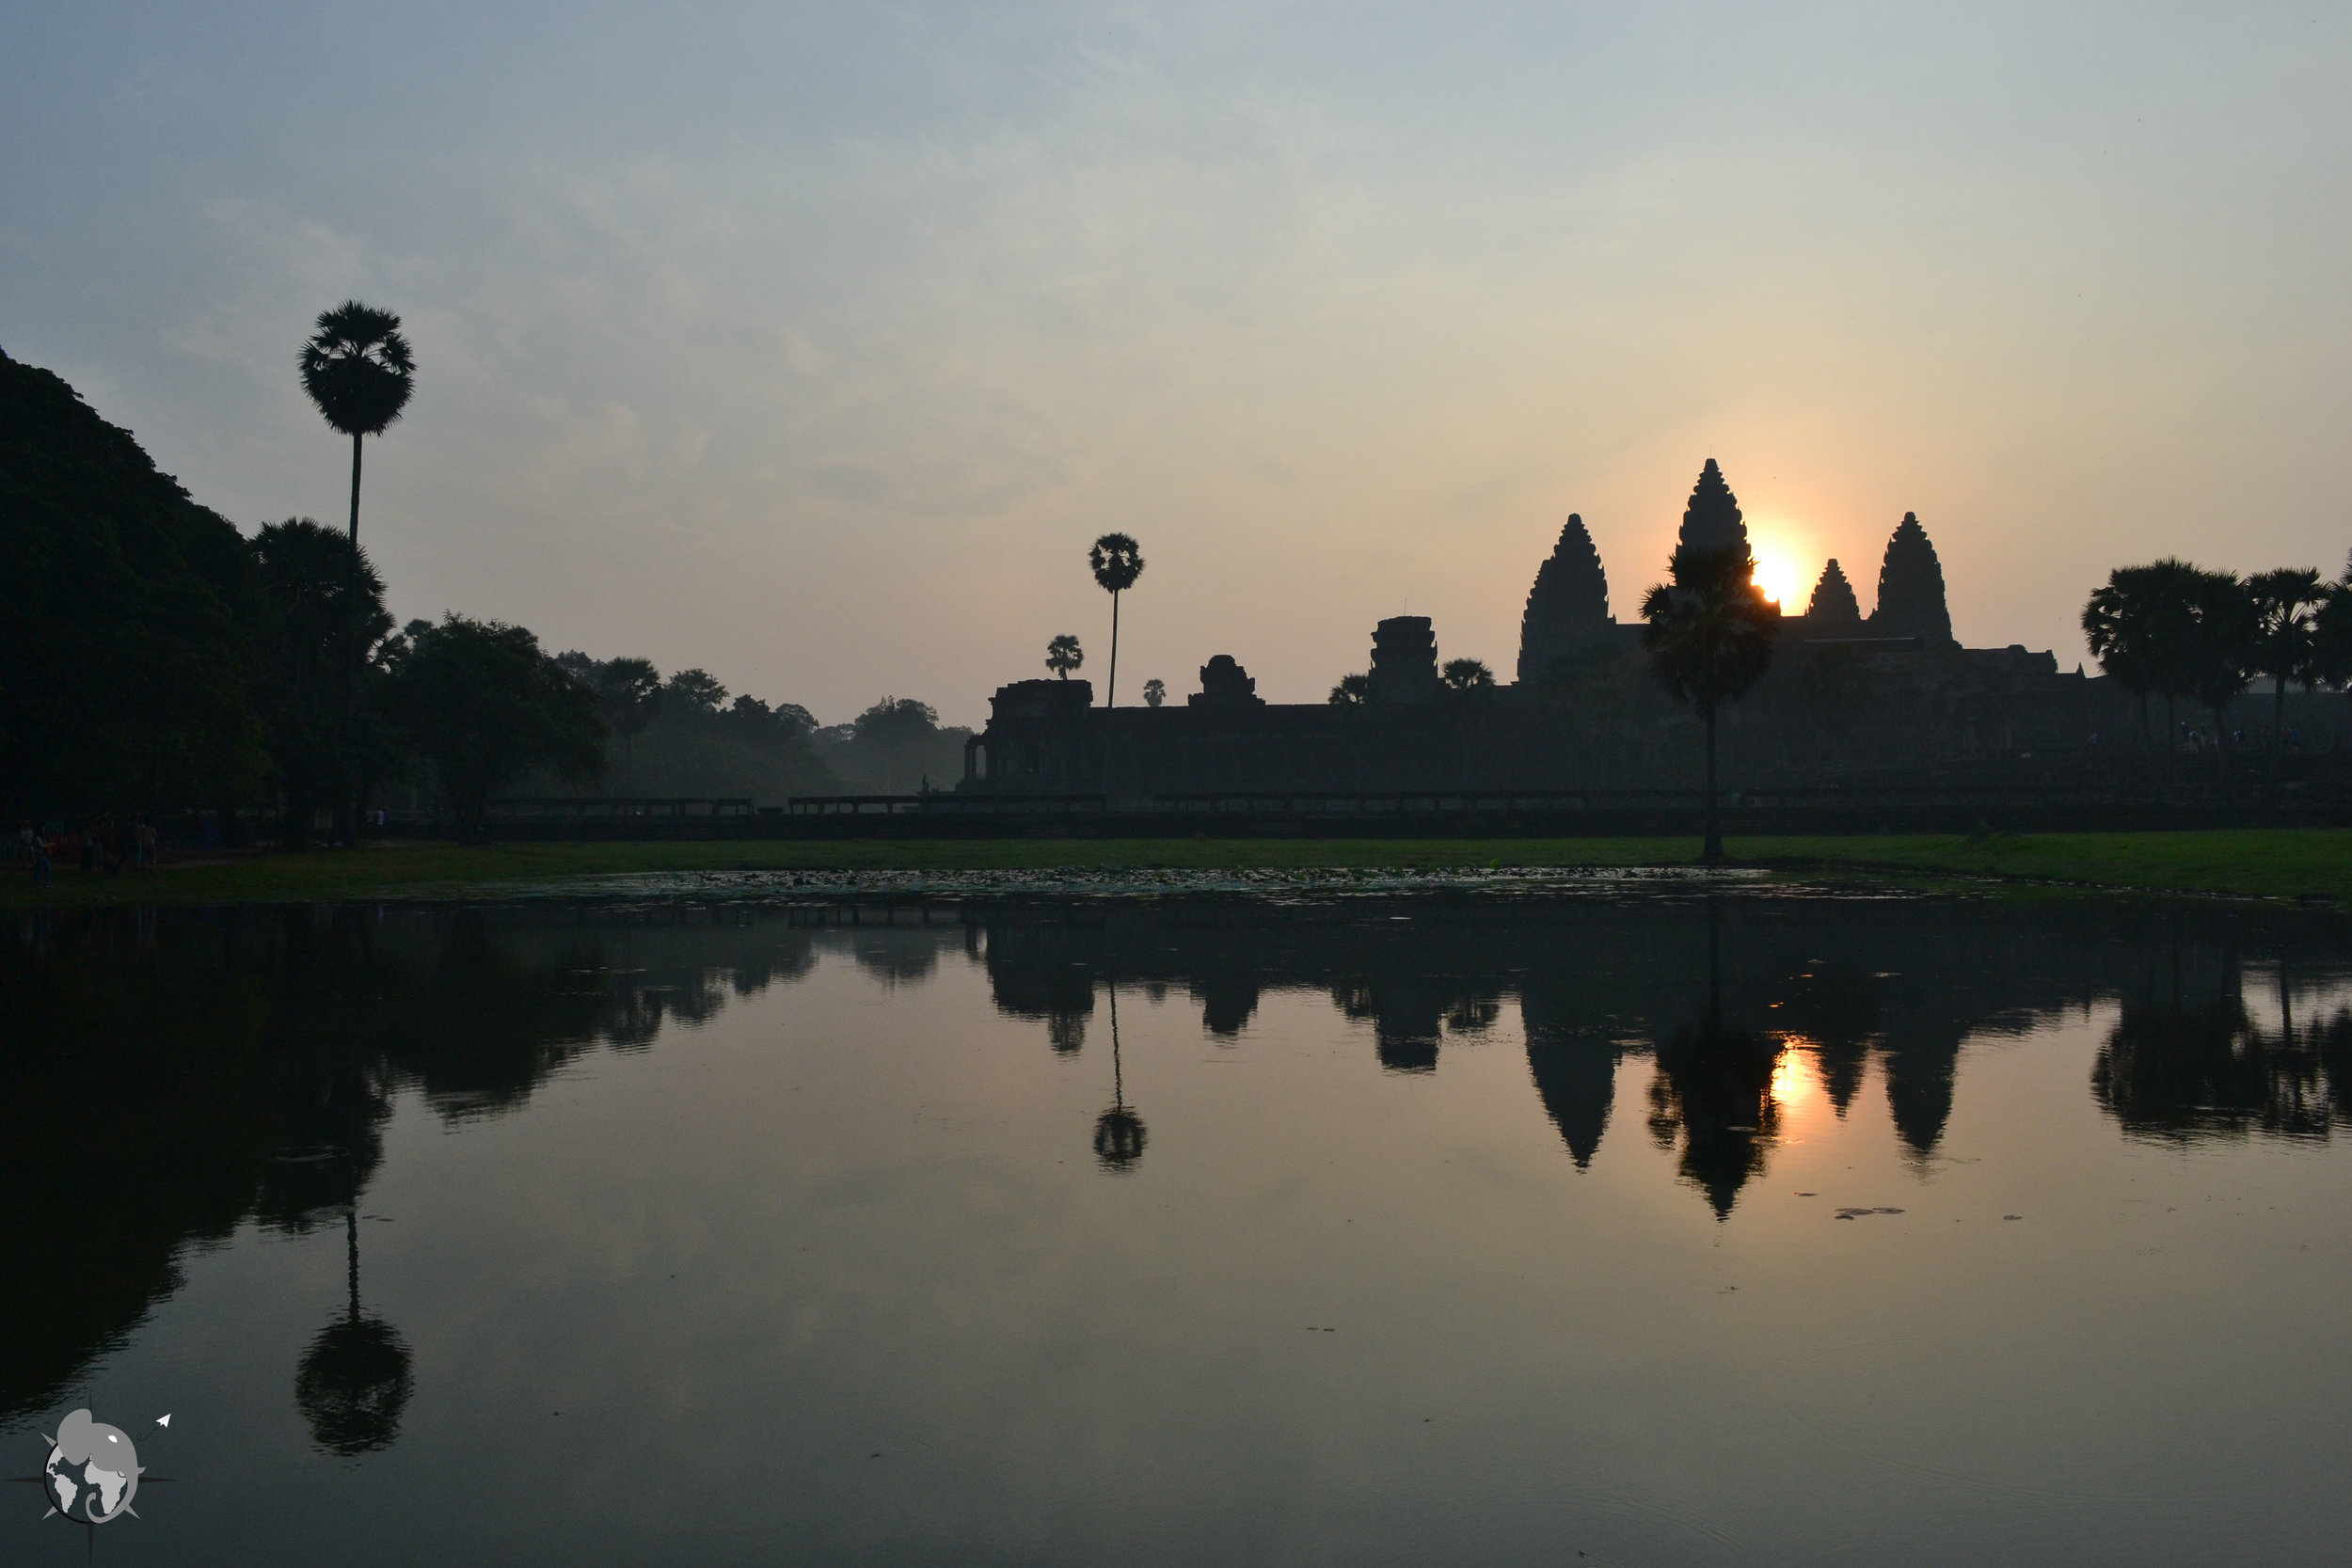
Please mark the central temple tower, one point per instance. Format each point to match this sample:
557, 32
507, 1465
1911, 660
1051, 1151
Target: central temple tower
1712, 521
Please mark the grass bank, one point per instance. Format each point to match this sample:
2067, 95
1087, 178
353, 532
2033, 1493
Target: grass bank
2278, 863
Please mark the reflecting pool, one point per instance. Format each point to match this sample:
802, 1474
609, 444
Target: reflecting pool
1666, 1226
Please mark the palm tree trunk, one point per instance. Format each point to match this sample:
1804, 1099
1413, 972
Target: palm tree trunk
1712, 853
2278, 734
1110, 686
2221, 750
346, 803
2171, 737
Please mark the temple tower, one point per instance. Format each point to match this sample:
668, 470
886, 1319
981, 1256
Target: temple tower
1712, 522
1911, 588
1404, 660
1225, 683
1568, 607
1832, 611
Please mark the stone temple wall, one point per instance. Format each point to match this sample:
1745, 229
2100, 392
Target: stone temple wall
1885, 697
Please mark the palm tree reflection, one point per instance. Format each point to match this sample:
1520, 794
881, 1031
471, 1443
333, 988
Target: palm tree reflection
1118, 1132
1714, 1083
354, 1380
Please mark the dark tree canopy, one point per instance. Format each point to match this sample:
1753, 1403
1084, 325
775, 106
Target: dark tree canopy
126, 621
1115, 560
308, 575
2139, 627
1710, 630
1063, 655
1467, 675
897, 722
357, 367
482, 704
695, 691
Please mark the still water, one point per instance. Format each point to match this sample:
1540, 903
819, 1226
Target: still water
1626, 1229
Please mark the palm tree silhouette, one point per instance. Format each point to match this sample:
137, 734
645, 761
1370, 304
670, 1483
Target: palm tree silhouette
357, 369
2221, 654
1710, 639
2140, 628
355, 1379
1154, 692
2287, 603
1117, 561
1118, 1132
629, 690
1063, 655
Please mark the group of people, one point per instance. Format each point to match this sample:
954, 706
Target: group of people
105, 844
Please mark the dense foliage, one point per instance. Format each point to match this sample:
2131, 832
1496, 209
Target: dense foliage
127, 617
484, 706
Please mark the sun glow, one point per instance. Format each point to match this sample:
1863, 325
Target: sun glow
1782, 582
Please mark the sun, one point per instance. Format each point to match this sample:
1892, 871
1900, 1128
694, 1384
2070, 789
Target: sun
1780, 580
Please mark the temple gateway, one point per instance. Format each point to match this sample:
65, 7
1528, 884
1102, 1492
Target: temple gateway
1889, 697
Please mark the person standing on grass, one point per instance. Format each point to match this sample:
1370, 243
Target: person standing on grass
43, 870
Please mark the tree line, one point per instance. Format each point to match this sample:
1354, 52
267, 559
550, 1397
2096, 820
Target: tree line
154, 661
2178, 631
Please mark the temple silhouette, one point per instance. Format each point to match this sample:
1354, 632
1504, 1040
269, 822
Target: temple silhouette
1890, 697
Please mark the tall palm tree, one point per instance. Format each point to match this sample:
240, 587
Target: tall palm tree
1710, 639
1117, 561
357, 369
2287, 603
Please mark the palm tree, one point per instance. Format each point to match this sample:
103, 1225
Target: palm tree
2287, 603
629, 692
1710, 639
357, 369
2331, 634
1117, 561
1063, 655
1154, 692
2142, 629
2221, 653
1467, 675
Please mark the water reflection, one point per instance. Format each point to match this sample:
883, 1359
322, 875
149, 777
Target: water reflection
1118, 1132
354, 1380
2188, 1059
1714, 1086
226, 1070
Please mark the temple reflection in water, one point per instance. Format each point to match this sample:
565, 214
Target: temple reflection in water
234, 1069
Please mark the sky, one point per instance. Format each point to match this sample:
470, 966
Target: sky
812, 345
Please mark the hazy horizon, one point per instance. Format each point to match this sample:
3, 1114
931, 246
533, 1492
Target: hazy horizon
813, 349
